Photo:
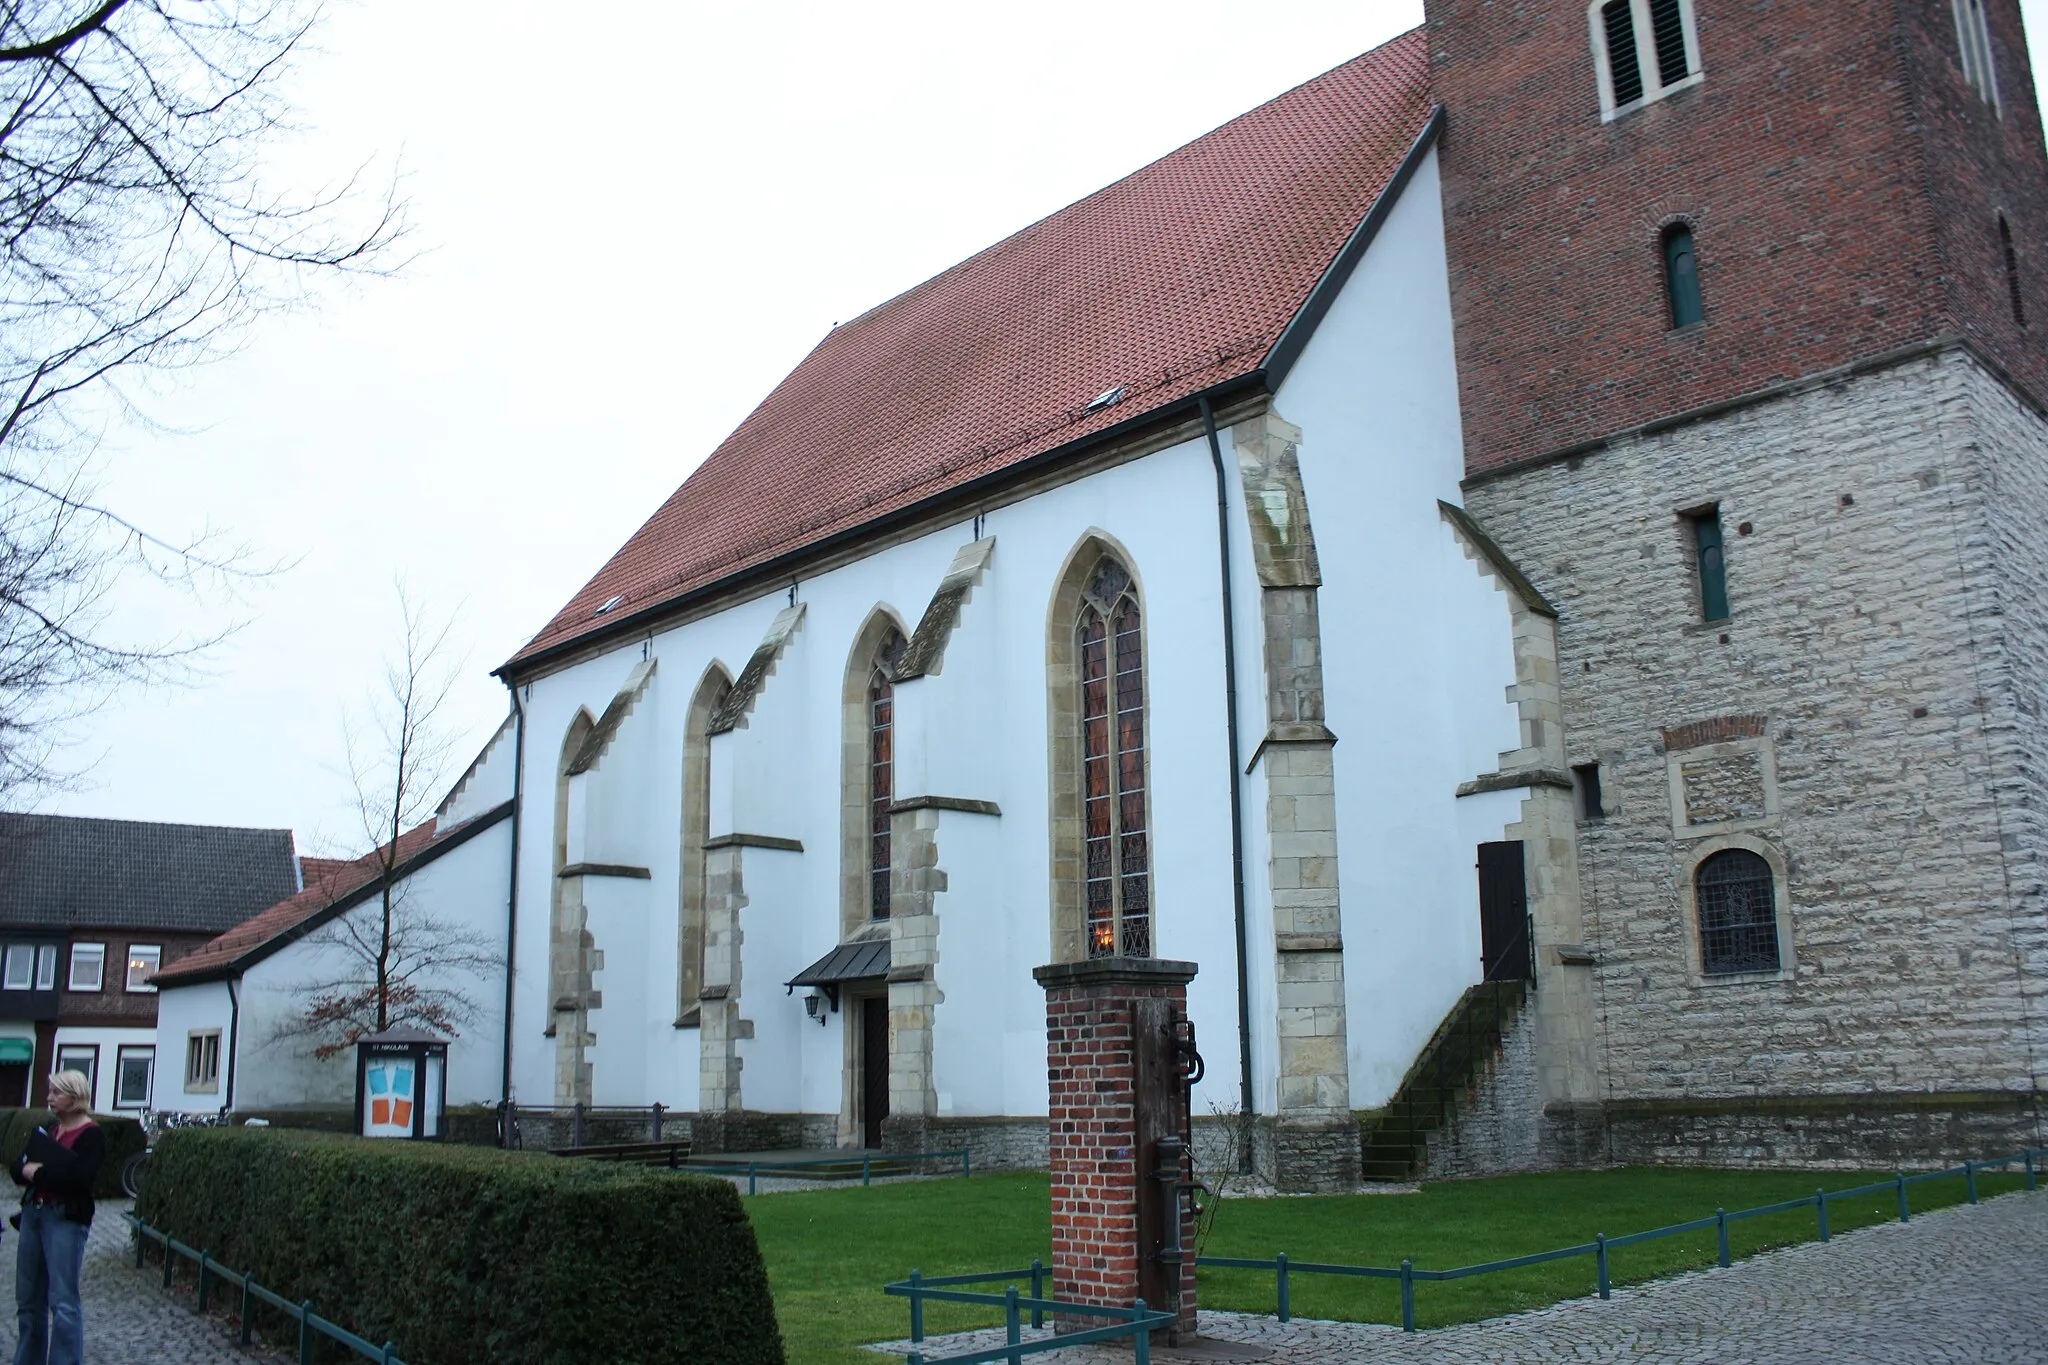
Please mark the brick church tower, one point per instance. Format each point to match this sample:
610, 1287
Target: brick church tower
1750, 304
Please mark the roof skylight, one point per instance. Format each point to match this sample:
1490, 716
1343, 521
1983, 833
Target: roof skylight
1108, 398
609, 603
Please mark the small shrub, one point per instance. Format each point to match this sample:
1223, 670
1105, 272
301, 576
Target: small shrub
124, 1139
462, 1254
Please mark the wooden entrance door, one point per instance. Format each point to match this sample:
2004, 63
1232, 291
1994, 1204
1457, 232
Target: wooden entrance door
874, 1068
1504, 948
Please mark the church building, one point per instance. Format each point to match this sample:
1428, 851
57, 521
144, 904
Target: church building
1522, 557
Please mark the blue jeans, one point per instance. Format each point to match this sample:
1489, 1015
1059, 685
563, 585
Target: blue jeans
49, 1321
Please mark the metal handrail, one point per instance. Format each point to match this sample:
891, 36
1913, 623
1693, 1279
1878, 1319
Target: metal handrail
310, 1323
711, 1165
1601, 1244
1137, 1322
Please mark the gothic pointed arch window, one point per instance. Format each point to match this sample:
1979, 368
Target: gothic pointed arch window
881, 716
868, 771
711, 693
1116, 845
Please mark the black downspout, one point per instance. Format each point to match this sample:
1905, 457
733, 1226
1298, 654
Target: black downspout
1246, 1100
234, 1040
512, 885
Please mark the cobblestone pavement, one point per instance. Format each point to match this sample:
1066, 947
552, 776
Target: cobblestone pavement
129, 1319
1959, 1285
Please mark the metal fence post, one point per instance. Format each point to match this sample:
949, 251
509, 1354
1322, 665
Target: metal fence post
1600, 1256
1012, 1333
247, 1326
916, 1306
1407, 1296
751, 1186
390, 1352
1820, 1203
966, 1167
866, 1170
1905, 1213
1037, 1291
1286, 1298
168, 1260
2030, 1168
1141, 1344
1721, 1234
656, 1110
576, 1124
203, 1259
1970, 1179
140, 1242
306, 1333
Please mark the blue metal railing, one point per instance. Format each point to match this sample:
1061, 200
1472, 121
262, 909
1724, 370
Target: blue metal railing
755, 1170
1137, 1322
1601, 1245
311, 1324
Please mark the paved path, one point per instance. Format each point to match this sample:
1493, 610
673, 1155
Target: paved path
129, 1319
1959, 1285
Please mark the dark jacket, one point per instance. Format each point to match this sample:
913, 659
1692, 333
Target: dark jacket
69, 1180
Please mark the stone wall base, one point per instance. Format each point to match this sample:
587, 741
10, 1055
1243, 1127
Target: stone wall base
1307, 1156
1000, 1143
1900, 1131
751, 1131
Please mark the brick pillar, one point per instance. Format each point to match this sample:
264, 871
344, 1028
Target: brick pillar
1114, 1088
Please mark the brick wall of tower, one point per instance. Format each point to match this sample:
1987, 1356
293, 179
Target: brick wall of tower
1879, 628
1828, 228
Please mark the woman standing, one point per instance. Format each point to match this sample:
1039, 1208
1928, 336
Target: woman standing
56, 1211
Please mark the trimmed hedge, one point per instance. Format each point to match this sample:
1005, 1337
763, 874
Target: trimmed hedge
464, 1254
124, 1139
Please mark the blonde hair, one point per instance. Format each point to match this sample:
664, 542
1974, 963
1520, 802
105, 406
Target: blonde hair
74, 1084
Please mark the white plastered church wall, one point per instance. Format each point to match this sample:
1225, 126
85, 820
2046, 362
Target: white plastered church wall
1416, 644
465, 886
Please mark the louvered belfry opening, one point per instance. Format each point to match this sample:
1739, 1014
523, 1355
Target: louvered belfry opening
1738, 911
1668, 24
1116, 856
881, 768
1619, 20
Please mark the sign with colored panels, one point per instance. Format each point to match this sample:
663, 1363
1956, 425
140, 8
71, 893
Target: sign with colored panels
393, 1086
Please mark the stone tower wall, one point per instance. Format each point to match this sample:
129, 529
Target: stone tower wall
1869, 718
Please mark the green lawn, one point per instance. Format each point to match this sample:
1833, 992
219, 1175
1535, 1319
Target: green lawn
830, 1251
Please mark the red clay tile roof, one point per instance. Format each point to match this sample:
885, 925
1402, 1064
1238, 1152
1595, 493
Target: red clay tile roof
1171, 281
328, 882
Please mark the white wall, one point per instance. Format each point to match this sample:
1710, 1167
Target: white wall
180, 1012
108, 1042
1417, 654
466, 886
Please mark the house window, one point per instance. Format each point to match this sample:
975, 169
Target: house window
1586, 778
1711, 565
1738, 913
46, 967
881, 768
88, 966
83, 1058
20, 971
1682, 277
143, 960
134, 1075
2012, 272
1643, 50
1116, 859
1973, 38
202, 1060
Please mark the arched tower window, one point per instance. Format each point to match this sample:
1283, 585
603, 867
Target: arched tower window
881, 767
1973, 37
1738, 913
1116, 853
1682, 277
2012, 272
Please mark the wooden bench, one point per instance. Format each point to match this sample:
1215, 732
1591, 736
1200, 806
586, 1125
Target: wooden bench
669, 1154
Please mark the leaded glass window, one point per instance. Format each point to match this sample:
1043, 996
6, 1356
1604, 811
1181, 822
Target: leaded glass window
881, 768
1116, 859
1738, 908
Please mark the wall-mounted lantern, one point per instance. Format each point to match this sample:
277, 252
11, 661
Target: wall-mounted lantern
401, 1084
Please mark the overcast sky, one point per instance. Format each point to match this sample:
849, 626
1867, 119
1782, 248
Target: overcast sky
634, 220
